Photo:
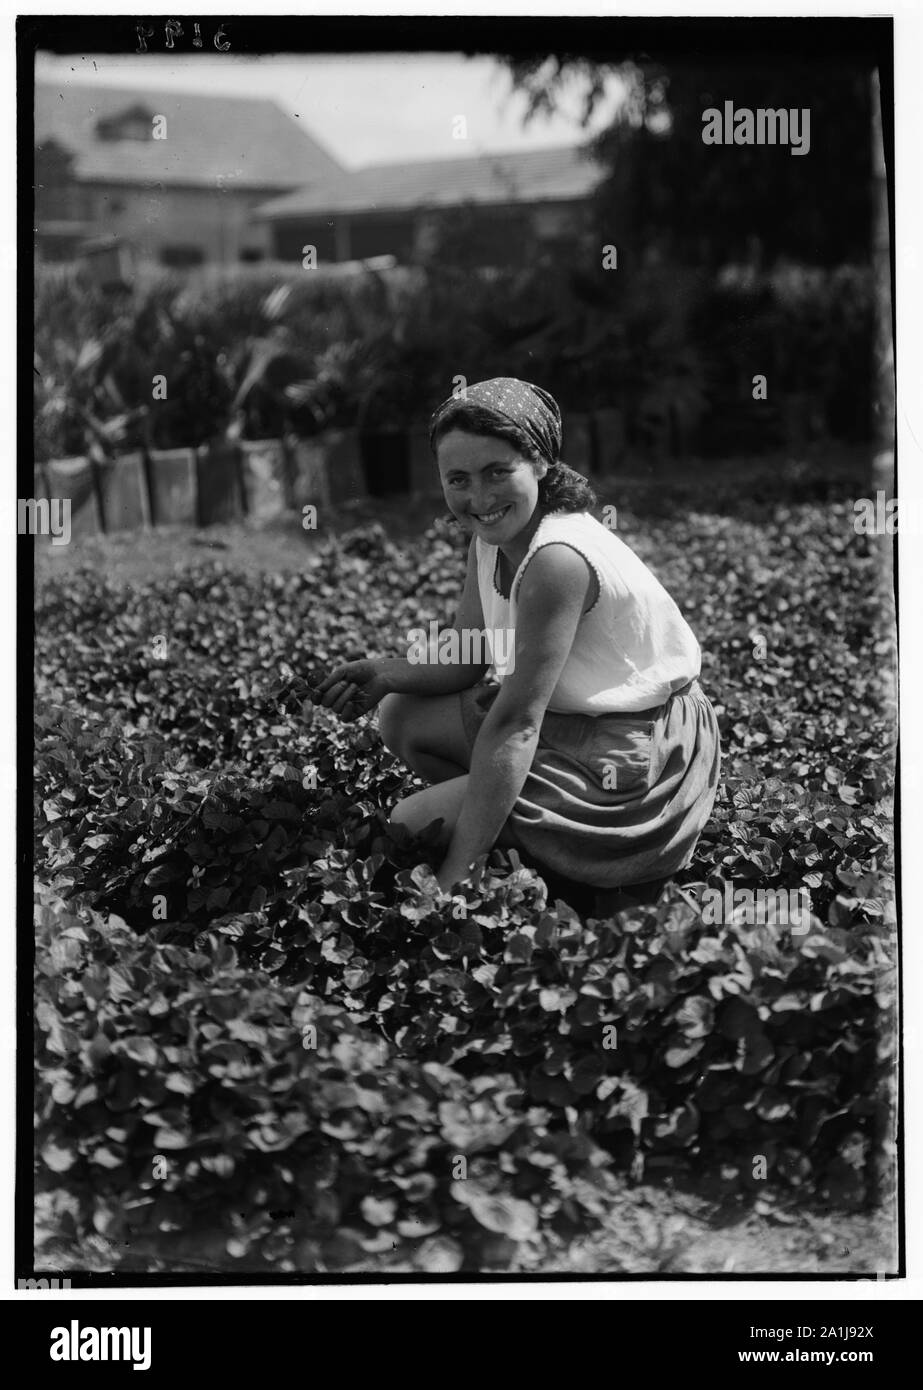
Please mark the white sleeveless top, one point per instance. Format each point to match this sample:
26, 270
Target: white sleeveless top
632, 648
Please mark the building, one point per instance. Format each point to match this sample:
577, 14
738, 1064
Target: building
537, 198
184, 179
174, 175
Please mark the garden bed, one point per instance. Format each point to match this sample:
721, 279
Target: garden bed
221, 881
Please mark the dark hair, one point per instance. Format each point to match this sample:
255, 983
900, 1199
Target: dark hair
562, 489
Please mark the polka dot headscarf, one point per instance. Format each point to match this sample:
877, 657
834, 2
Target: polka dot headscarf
532, 409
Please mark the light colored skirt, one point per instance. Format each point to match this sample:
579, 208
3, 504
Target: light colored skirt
614, 799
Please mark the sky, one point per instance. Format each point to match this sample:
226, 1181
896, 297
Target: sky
365, 109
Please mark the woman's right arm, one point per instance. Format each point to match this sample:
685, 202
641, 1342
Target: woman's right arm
362, 684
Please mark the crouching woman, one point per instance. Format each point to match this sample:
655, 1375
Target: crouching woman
586, 741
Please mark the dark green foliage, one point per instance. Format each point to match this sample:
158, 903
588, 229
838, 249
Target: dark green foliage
239, 834
668, 193
195, 1113
673, 349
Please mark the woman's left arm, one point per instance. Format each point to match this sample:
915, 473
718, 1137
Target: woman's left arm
552, 596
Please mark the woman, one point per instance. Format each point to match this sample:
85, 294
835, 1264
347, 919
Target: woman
590, 746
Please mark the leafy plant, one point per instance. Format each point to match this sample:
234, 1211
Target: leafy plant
194, 1114
260, 354
186, 784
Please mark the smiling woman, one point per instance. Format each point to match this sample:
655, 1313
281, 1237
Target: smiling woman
590, 746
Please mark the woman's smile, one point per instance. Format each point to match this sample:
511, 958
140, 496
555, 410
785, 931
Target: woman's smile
489, 519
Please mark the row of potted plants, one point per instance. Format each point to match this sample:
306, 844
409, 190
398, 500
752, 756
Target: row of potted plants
169, 365
175, 362
232, 477
223, 480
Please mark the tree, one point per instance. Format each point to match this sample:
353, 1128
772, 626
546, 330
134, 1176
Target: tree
669, 195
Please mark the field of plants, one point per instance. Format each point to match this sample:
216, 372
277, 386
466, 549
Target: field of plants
266, 1043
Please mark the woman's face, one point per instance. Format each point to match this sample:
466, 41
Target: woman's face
488, 485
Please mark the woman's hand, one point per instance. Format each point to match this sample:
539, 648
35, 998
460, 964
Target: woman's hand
352, 689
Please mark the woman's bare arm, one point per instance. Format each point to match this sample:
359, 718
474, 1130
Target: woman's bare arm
439, 678
553, 594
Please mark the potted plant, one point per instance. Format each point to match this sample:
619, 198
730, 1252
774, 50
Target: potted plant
190, 476
59, 438
324, 439
264, 414
386, 410
82, 407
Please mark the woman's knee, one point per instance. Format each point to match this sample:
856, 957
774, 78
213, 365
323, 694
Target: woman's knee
402, 814
425, 732
415, 812
443, 802
394, 723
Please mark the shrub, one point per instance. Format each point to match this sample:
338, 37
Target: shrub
674, 350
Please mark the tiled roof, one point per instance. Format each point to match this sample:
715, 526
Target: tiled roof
248, 140
532, 176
